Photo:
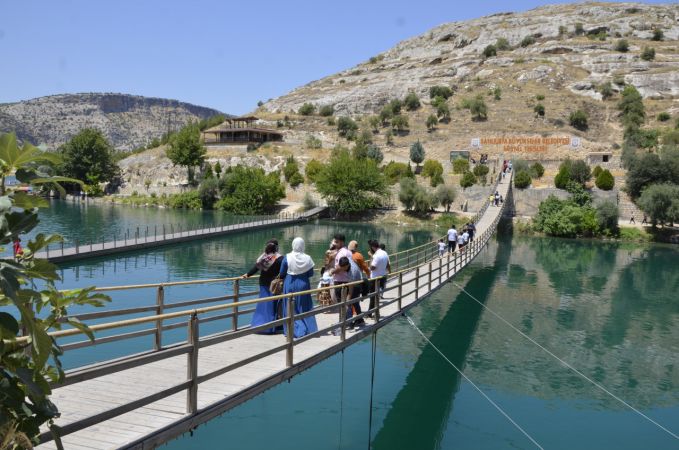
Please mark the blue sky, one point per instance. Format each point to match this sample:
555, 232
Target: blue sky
222, 54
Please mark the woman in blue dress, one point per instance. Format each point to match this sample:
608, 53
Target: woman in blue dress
268, 265
298, 268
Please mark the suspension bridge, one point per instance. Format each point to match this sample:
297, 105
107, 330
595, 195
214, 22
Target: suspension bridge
143, 400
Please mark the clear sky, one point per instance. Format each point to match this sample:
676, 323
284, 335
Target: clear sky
224, 54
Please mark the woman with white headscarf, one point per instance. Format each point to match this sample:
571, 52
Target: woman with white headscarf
298, 268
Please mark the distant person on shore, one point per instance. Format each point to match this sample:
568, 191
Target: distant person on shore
441, 247
644, 221
452, 238
378, 269
298, 268
631, 220
268, 265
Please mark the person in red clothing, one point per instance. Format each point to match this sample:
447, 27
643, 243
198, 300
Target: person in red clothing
18, 251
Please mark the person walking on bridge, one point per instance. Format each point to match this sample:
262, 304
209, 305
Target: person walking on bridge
269, 265
452, 238
298, 268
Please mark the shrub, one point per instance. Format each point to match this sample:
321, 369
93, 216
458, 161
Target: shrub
440, 91
646, 170
312, 169
664, 116
539, 110
502, 44
648, 54
497, 93
432, 121
417, 153
578, 120
326, 110
208, 192
291, 167
661, 203
415, 198
480, 170
399, 123
563, 177
412, 101
477, 107
434, 170
596, 171
631, 107
346, 127
658, 35
296, 179
622, 46
248, 190
522, 180
395, 106
188, 200
374, 122
443, 112
489, 51
460, 165
606, 90
539, 97
580, 172
565, 218
528, 40
389, 136
563, 30
605, 180
437, 101
467, 180
308, 202
537, 170
445, 195
375, 153
607, 217
351, 186
312, 142
579, 29
395, 171
331, 121
306, 109
386, 115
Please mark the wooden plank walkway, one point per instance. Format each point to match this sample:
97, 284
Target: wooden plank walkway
163, 237
165, 418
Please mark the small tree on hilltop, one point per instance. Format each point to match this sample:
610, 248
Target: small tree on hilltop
481, 172
375, 153
440, 91
658, 35
648, 54
489, 51
417, 153
432, 121
605, 180
502, 44
374, 122
434, 170
622, 46
326, 110
399, 123
460, 165
578, 120
467, 180
307, 109
346, 127
539, 110
186, 149
443, 112
522, 180
478, 108
580, 172
537, 170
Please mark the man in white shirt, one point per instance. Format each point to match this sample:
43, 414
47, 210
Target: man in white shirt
452, 238
378, 268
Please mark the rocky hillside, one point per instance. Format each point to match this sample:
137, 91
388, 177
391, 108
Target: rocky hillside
129, 121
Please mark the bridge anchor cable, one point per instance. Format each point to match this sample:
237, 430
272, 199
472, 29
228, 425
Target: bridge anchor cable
507, 416
601, 387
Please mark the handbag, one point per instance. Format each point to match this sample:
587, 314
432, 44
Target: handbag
276, 286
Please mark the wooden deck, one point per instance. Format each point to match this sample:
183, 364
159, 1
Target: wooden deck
227, 369
165, 237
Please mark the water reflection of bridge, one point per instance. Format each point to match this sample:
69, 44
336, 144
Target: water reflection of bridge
145, 399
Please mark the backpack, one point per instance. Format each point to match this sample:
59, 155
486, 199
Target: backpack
355, 272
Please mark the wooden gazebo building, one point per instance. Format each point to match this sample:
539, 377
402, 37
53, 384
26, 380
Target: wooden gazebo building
240, 130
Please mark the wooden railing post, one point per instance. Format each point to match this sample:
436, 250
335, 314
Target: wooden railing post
234, 318
378, 283
77, 247
291, 331
429, 275
417, 283
400, 290
192, 366
160, 304
343, 313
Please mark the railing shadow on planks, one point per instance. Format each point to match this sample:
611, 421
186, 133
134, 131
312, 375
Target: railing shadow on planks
410, 267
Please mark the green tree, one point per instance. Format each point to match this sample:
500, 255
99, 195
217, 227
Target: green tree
432, 121
605, 180
386, 114
579, 29
412, 101
375, 153
661, 203
218, 169
522, 180
312, 169
346, 127
351, 186
467, 180
31, 305
399, 123
445, 195
596, 171
88, 156
434, 170
578, 119
415, 198
622, 46
537, 170
563, 177
395, 171
631, 107
207, 172
489, 51
437, 101
248, 190
374, 122
644, 171
502, 44
606, 90
443, 112
580, 172
306, 109
389, 136
664, 116
481, 172
208, 190
527, 41
607, 217
460, 165
658, 35
539, 110
648, 54
440, 91
477, 107
417, 153
326, 110
497, 93
185, 149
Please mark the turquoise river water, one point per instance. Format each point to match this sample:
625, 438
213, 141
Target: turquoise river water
610, 310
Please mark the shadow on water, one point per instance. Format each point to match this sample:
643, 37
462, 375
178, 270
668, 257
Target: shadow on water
432, 384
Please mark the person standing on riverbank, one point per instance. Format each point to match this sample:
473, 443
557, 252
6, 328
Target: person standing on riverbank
268, 265
452, 238
298, 268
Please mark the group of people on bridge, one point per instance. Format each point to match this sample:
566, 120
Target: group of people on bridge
343, 264
457, 238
